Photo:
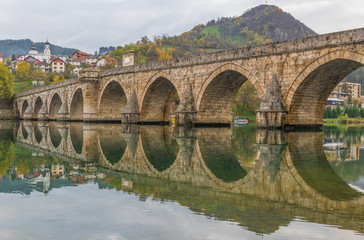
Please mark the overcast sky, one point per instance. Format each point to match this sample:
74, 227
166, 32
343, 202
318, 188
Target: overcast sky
90, 24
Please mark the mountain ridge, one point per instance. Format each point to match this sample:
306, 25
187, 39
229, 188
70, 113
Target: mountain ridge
22, 46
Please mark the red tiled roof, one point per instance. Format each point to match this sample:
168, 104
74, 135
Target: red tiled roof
57, 60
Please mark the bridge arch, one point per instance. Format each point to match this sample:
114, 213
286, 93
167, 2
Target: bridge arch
54, 106
112, 102
159, 99
76, 107
218, 90
37, 106
24, 107
307, 95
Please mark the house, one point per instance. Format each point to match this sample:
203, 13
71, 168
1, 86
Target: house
58, 65
1, 57
43, 65
91, 60
334, 102
75, 62
80, 55
106, 61
76, 71
31, 59
57, 170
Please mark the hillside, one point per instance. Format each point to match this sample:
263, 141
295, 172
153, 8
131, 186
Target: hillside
259, 25
22, 47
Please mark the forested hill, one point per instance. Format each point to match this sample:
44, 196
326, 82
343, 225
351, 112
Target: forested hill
262, 24
22, 47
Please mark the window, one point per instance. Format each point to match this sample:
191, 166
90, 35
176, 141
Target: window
60, 63
60, 67
55, 68
55, 63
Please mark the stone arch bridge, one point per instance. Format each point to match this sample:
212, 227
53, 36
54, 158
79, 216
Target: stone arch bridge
293, 78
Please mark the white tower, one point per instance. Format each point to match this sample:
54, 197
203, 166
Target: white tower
47, 50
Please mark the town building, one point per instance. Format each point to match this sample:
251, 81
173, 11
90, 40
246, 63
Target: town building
80, 55
45, 56
76, 71
355, 90
91, 60
31, 59
75, 62
58, 65
57, 170
105, 61
43, 65
334, 102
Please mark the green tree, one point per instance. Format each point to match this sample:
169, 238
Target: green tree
22, 71
38, 75
338, 109
356, 102
6, 156
8, 61
6, 82
58, 79
246, 101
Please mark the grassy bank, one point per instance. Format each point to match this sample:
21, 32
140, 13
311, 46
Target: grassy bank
341, 120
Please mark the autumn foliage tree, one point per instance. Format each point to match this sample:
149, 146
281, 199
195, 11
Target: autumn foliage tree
6, 82
22, 71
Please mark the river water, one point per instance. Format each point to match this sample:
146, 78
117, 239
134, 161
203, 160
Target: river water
111, 181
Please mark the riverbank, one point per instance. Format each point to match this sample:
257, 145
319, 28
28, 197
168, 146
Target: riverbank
342, 121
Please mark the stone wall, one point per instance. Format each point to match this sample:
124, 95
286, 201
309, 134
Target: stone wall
7, 109
306, 71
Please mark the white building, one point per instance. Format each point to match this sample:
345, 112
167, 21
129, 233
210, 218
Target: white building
45, 56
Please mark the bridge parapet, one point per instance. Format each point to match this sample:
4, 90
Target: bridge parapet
297, 45
89, 75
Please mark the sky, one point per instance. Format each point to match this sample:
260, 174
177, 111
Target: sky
90, 24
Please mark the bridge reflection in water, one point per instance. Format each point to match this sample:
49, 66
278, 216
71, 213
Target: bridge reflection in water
261, 179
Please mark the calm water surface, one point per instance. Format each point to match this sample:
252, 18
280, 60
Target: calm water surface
96, 181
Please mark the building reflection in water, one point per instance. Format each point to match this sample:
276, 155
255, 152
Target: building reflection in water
258, 178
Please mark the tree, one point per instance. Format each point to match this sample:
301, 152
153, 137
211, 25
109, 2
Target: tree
338, 109
38, 75
246, 101
8, 61
22, 71
6, 82
356, 102
58, 79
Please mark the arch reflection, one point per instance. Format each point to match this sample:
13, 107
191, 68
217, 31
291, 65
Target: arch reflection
37, 133
159, 146
112, 143
310, 162
216, 150
76, 134
55, 135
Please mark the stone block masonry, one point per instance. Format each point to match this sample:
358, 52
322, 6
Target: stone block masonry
306, 71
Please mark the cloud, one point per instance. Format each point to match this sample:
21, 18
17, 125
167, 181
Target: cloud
90, 24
